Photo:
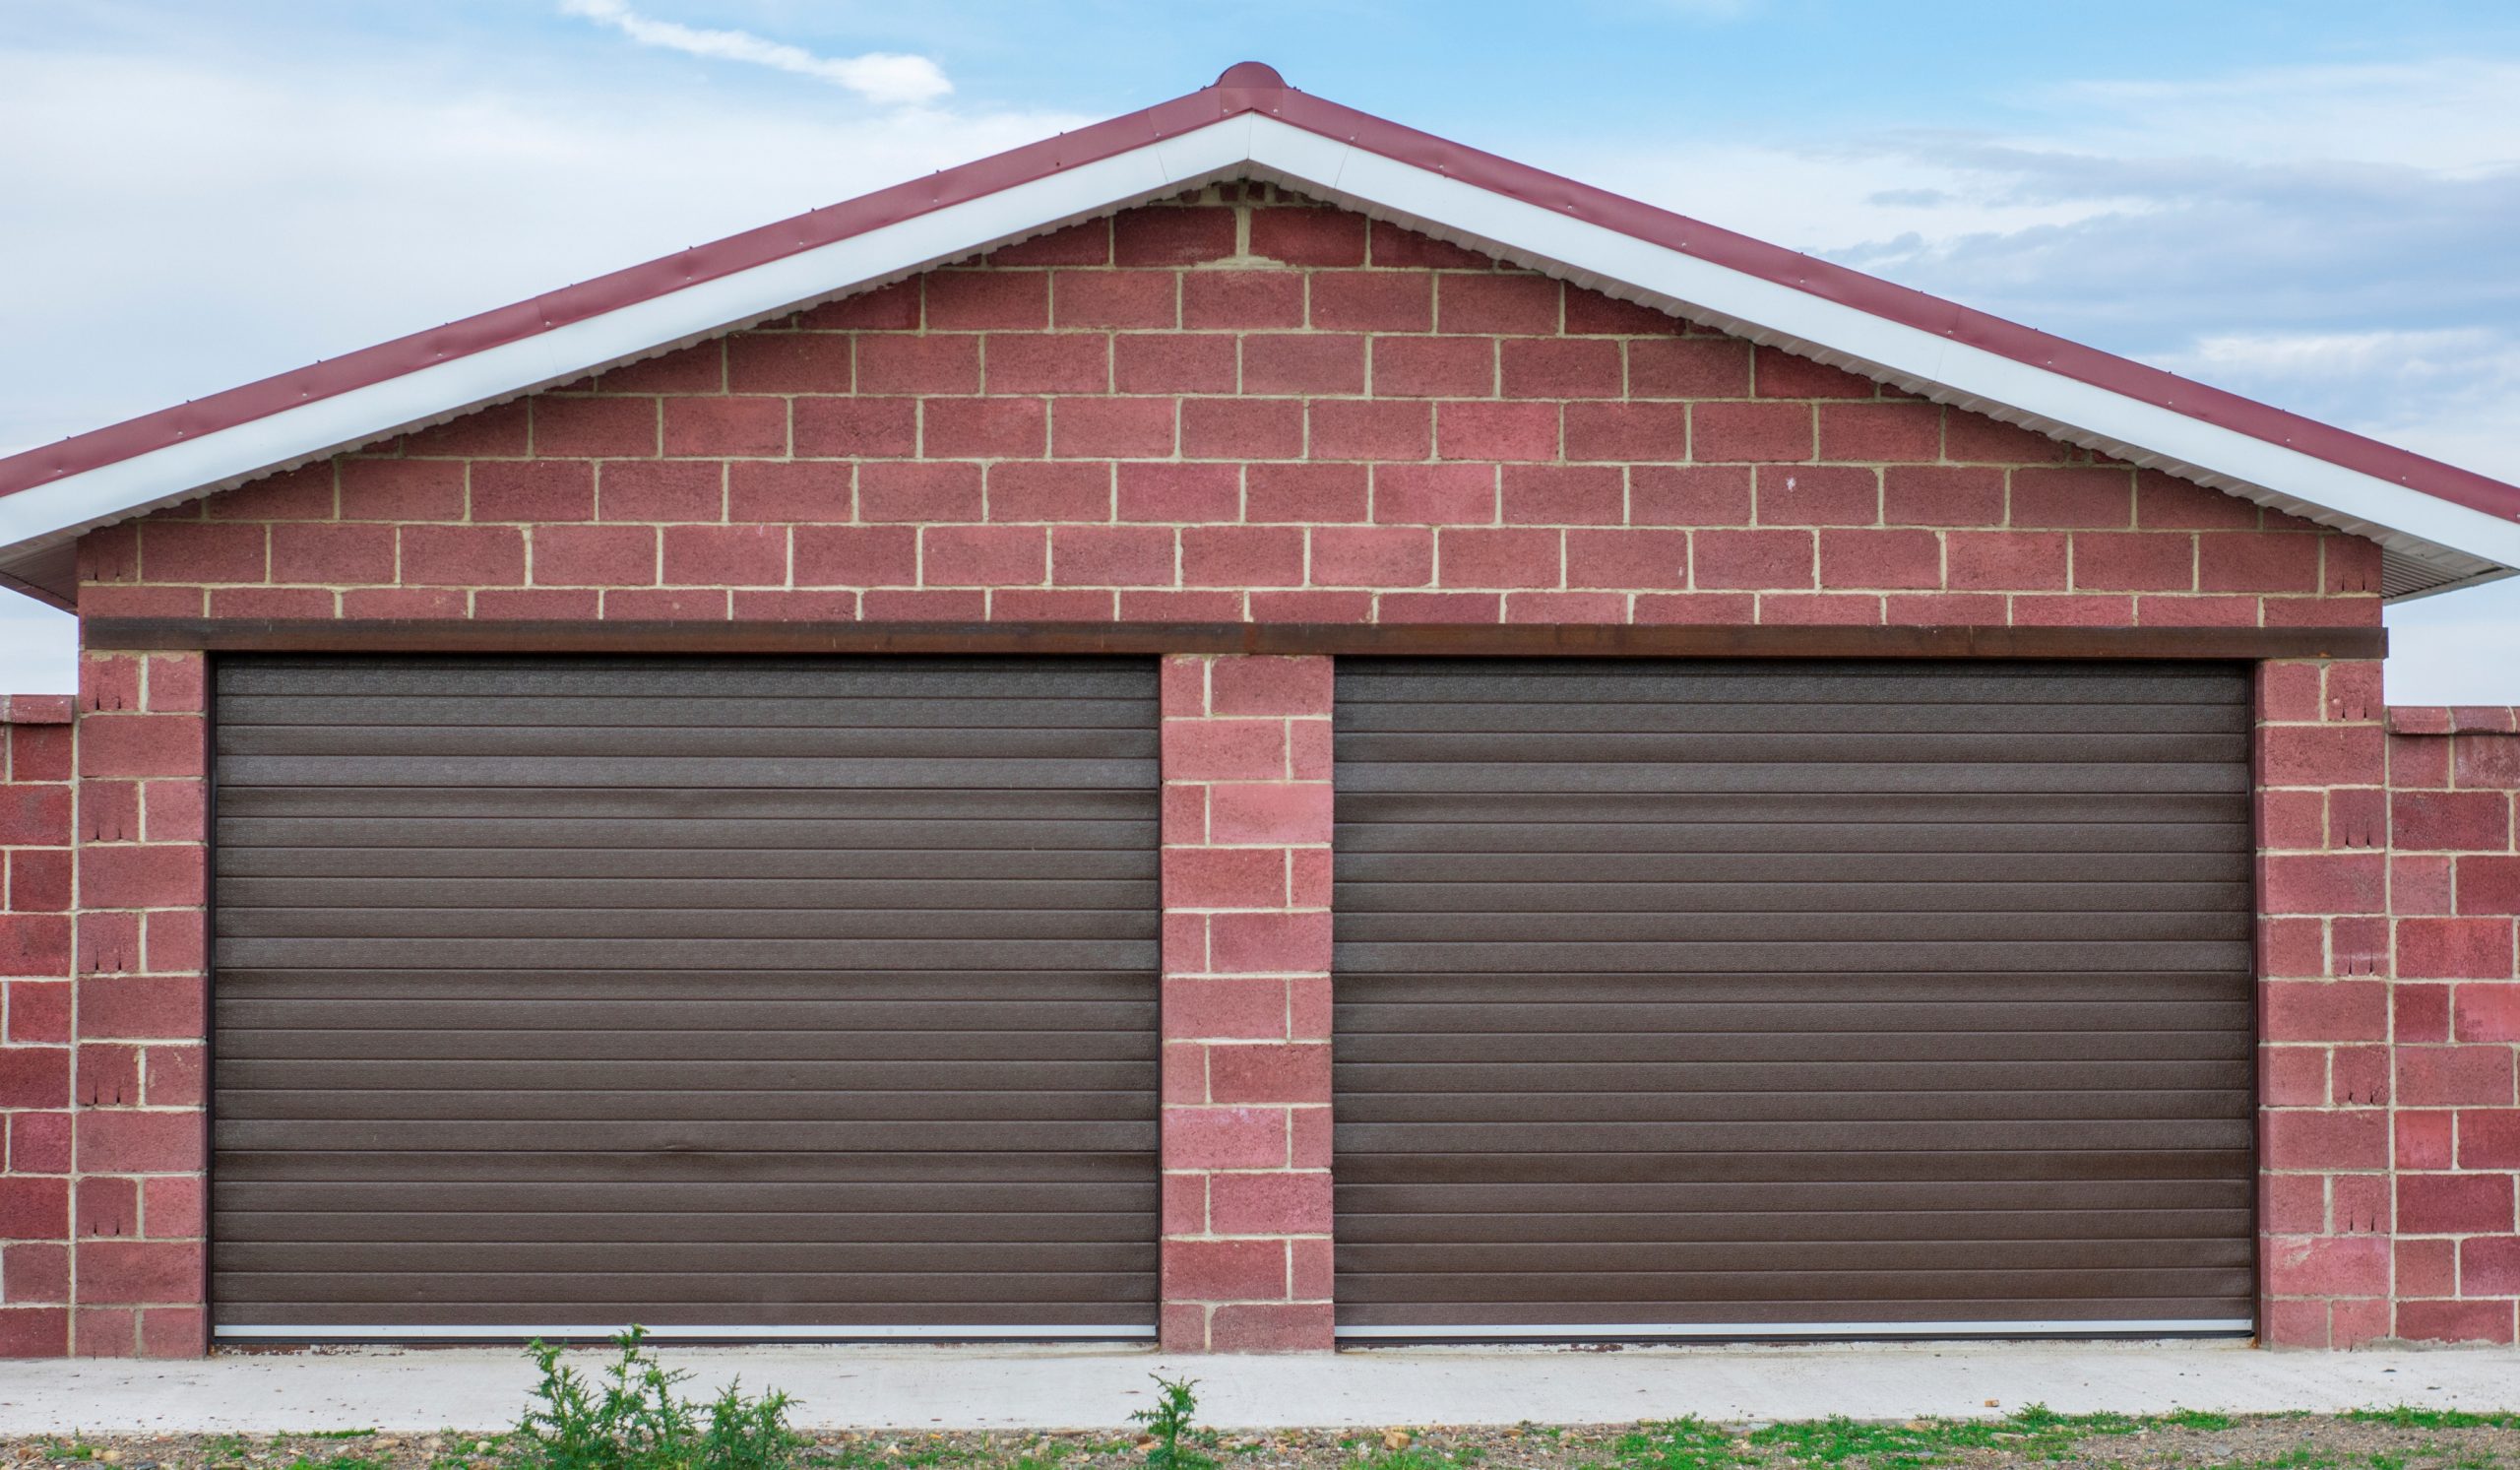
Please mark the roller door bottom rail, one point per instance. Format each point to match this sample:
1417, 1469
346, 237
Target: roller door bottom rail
1820, 1331
453, 1334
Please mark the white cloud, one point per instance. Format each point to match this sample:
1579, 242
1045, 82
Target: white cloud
2453, 114
884, 77
196, 223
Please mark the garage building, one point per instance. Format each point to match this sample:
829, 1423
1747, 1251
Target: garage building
1254, 729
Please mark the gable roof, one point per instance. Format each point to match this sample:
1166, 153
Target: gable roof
2440, 527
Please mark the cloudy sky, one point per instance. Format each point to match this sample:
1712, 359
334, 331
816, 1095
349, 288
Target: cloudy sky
2313, 203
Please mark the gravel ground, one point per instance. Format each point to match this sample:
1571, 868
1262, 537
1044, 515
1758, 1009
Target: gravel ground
2405, 1439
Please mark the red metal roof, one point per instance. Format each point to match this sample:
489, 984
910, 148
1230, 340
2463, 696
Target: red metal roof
1251, 87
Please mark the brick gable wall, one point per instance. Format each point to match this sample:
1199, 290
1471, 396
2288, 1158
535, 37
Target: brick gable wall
1226, 408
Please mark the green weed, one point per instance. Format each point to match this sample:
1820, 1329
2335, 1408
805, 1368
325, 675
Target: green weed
629, 1419
1689, 1443
2036, 1431
1168, 1420
2407, 1417
1408, 1457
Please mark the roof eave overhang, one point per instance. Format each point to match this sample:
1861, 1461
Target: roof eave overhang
2431, 544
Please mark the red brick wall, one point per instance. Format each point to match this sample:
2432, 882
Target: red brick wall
2454, 889
2324, 1013
141, 1149
1228, 407
1213, 410
35, 1024
1247, 1003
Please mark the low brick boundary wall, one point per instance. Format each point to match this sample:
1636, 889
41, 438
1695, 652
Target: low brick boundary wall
36, 1025
2454, 901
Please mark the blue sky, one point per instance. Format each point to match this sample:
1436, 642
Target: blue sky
2317, 204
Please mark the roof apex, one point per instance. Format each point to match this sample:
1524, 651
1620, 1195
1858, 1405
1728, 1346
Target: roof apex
1258, 76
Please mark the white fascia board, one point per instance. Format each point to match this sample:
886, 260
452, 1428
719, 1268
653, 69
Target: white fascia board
1594, 253
51, 512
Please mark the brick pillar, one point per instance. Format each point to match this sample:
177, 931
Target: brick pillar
2323, 1004
35, 764
2454, 889
1247, 1003
137, 1276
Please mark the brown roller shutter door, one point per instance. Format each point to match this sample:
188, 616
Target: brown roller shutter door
757, 998
1721, 998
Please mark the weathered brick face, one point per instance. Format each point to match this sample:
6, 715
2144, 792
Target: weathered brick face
1247, 1003
36, 1053
2454, 892
1242, 406
139, 1142
1223, 409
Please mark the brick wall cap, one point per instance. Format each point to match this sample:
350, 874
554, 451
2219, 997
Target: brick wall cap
2442, 719
35, 709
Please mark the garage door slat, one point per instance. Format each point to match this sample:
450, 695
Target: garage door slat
573, 1106
732, 992
597, 1204
1736, 993
1825, 1318
1359, 956
406, 867
1790, 1099
1684, 820
1842, 719
1390, 1205
793, 709
1073, 894
575, 949
283, 1227
968, 1294
1867, 889
1010, 1173
1664, 1231
1366, 1089
641, 680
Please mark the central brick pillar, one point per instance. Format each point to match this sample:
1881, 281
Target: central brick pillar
1247, 1003
2324, 1023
